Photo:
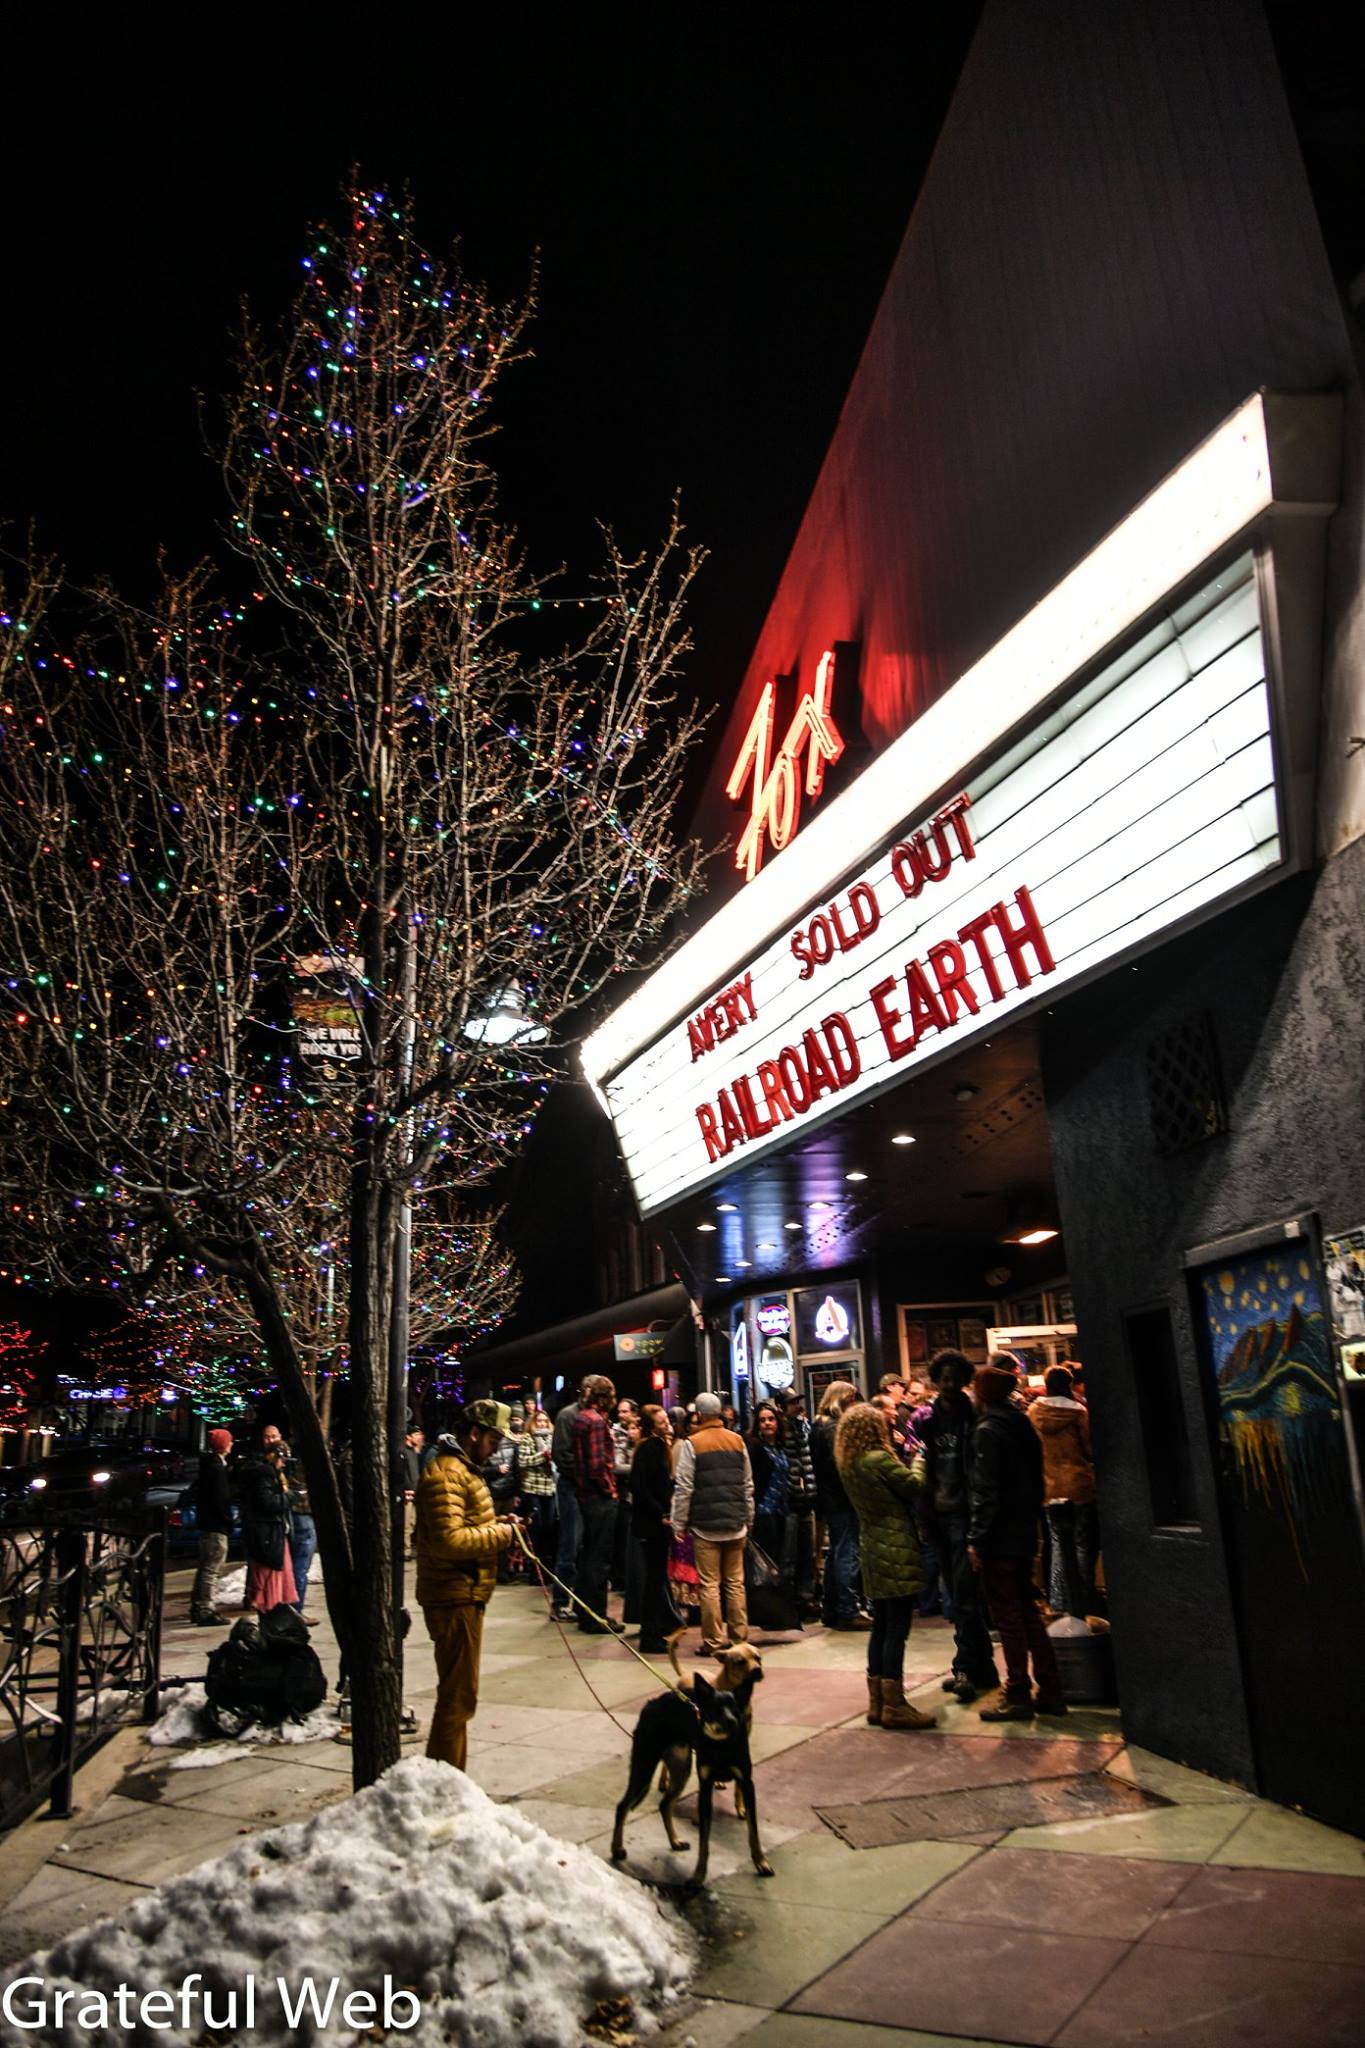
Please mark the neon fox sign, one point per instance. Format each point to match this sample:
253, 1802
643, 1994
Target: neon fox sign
775, 797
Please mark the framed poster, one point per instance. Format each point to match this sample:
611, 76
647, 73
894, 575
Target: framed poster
971, 1339
929, 1326
1343, 1259
817, 1377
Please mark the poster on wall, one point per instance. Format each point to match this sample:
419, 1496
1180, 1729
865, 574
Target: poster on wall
1344, 1260
930, 1326
971, 1339
1269, 1347
818, 1377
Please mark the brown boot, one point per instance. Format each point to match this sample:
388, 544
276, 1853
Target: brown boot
874, 1702
1000, 1707
897, 1711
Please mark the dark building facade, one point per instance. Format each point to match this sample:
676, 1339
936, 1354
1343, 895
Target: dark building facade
1035, 1000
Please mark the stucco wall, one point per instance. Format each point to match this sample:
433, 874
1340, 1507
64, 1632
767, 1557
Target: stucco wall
1283, 980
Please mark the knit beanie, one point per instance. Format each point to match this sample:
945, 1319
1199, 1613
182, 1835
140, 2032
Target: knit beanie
220, 1440
993, 1384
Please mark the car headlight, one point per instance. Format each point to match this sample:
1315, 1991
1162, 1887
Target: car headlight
36, 1485
100, 1478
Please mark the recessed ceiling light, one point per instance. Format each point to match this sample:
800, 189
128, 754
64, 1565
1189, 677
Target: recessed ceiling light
743, 1262
902, 1138
726, 1208
818, 1208
1035, 1236
791, 1226
855, 1175
706, 1226
722, 1279
767, 1245
964, 1092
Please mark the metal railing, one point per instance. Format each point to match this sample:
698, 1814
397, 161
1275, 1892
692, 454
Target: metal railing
80, 1645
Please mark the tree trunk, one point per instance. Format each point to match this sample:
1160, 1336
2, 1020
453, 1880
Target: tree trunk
308, 1438
376, 1698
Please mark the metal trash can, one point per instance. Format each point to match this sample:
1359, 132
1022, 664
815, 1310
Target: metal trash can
1086, 1664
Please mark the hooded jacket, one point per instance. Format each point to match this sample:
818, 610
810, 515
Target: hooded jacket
1006, 1484
883, 1493
458, 1539
1068, 1462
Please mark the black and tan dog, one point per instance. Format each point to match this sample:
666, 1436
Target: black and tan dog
713, 1725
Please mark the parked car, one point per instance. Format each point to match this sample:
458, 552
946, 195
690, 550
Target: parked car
85, 1473
182, 1530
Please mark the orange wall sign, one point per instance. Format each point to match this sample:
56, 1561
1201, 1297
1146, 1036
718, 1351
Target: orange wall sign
774, 790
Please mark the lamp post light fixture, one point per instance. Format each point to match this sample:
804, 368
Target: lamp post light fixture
502, 1020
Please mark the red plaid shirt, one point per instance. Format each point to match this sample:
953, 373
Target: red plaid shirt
594, 1456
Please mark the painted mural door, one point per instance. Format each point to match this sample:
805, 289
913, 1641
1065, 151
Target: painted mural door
1291, 1526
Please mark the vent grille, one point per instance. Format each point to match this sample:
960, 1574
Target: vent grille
1184, 1092
1006, 1113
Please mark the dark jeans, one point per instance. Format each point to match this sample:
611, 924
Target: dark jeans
931, 1599
658, 1616
303, 1548
805, 1556
570, 1531
1013, 1600
544, 1519
1075, 1533
973, 1657
594, 1558
891, 1621
839, 1601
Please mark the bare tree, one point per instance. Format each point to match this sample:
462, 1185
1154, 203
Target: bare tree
449, 785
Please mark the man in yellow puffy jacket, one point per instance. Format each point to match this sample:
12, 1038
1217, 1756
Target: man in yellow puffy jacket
458, 1543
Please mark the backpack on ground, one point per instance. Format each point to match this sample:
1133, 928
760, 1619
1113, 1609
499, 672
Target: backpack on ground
264, 1673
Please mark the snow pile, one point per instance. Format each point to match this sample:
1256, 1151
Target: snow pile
507, 1937
230, 1590
183, 1722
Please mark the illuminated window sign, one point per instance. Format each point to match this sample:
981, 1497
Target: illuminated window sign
776, 1366
827, 1320
1134, 804
773, 1316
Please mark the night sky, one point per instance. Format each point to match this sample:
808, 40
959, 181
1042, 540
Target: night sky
716, 196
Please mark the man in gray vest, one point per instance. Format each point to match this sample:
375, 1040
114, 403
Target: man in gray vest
713, 1496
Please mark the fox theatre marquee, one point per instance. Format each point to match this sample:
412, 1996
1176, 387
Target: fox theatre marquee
1122, 764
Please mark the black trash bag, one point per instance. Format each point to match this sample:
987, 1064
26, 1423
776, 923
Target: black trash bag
770, 1599
266, 1673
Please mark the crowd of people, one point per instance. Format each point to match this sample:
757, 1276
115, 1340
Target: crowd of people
970, 1495
260, 1478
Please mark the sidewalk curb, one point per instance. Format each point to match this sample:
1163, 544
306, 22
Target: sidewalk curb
25, 1849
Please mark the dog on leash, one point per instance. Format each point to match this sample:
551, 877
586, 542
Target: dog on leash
711, 1724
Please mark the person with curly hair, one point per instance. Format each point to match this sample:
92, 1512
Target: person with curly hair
883, 1493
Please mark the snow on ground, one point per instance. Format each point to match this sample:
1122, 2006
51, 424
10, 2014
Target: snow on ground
183, 1722
509, 1938
230, 1590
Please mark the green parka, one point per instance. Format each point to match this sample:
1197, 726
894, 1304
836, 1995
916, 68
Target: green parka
883, 1493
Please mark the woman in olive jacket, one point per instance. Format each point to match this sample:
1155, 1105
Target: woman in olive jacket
883, 1493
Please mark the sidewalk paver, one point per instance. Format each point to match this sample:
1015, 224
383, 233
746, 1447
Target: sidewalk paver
1204, 1916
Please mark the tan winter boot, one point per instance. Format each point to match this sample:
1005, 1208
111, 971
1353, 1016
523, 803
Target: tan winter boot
897, 1711
874, 1702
